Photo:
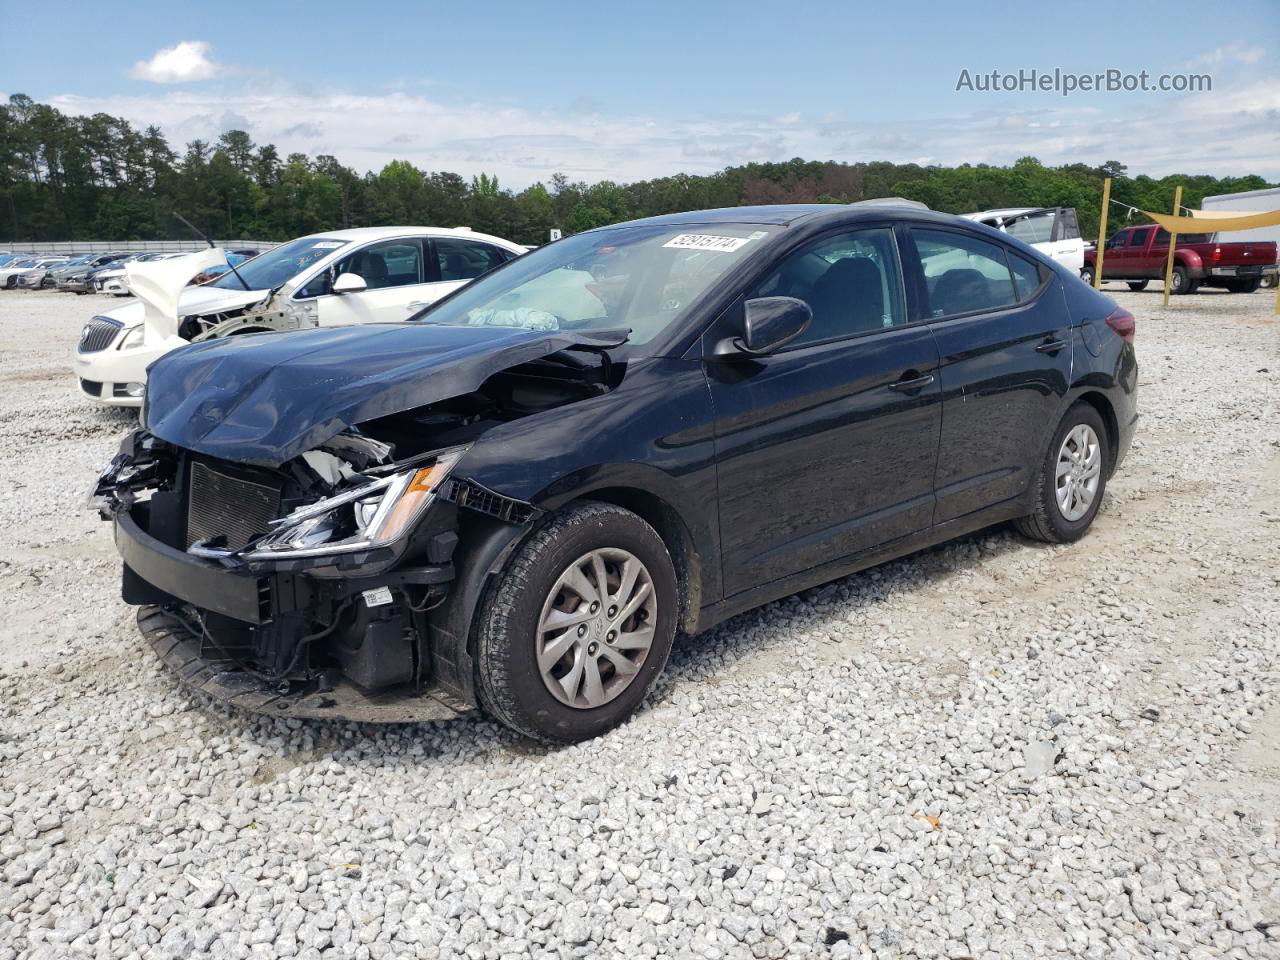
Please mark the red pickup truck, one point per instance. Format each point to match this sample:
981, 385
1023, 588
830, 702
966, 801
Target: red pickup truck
1138, 254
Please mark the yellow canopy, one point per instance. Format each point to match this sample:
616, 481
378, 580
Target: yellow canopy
1213, 223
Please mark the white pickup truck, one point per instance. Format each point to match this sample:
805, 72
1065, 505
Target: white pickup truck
1054, 231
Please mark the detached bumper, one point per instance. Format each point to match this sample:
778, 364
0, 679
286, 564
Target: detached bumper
180, 649
201, 583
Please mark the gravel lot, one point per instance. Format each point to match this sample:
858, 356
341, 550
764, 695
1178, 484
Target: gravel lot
989, 750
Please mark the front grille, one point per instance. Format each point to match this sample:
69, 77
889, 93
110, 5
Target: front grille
92, 387
98, 334
219, 504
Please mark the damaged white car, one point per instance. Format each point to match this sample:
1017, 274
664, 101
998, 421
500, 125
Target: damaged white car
340, 277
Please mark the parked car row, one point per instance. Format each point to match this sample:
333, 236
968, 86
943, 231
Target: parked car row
340, 277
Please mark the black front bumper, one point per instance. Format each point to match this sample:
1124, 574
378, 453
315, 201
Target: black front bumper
180, 648
177, 592
202, 583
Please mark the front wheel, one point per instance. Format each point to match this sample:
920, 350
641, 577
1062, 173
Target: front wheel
581, 622
1072, 480
1136, 285
1086, 275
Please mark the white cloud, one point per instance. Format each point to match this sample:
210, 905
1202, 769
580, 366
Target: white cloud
1230, 131
1228, 53
187, 62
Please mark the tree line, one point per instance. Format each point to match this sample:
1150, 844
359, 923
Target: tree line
66, 177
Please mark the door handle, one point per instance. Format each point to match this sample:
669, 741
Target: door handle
1051, 346
415, 304
910, 386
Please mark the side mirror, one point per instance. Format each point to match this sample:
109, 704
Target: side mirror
768, 324
349, 283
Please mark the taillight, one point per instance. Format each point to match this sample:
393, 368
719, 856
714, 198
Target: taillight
1217, 254
1121, 321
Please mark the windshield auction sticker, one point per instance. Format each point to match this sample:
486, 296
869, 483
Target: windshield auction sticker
703, 241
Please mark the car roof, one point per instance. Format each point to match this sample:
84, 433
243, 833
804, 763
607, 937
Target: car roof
796, 214
357, 234
1003, 212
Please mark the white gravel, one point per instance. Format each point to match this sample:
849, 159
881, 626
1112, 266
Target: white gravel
990, 750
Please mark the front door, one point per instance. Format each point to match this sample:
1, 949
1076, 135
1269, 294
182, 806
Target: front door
397, 284
828, 447
1003, 331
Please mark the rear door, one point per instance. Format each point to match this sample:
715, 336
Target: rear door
827, 447
1004, 338
459, 260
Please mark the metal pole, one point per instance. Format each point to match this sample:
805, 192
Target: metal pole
1102, 235
1173, 239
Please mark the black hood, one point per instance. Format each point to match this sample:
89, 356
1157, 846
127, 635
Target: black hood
266, 398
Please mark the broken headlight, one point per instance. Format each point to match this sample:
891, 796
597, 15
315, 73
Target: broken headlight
373, 515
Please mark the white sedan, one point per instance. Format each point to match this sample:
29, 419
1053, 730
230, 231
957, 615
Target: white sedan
338, 277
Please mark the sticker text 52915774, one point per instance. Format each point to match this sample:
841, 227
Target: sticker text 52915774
704, 241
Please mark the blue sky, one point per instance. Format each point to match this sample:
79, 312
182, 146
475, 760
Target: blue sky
601, 90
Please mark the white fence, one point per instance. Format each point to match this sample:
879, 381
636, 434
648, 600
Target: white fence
111, 246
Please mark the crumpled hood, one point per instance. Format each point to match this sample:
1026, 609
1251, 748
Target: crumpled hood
266, 398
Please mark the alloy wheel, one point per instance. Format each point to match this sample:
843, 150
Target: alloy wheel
596, 628
1079, 472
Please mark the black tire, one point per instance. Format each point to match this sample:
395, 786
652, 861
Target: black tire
1086, 274
1244, 286
1182, 282
510, 685
1136, 285
1270, 280
1046, 522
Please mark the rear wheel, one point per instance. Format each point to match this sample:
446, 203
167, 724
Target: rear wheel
1086, 275
1073, 478
573, 635
1182, 282
1244, 286
1136, 285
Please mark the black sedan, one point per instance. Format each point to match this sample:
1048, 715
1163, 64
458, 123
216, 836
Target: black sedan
513, 501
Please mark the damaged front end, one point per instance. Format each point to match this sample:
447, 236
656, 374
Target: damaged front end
308, 587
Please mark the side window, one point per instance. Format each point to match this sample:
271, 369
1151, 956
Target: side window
1026, 276
1139, 238
392, 263
963, 274
1117, 240
852, 282
466, 259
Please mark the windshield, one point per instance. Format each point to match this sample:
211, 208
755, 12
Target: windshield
638, 278
278, 265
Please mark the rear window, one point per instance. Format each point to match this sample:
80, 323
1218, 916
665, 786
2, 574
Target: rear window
1162, 237
1034, 227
